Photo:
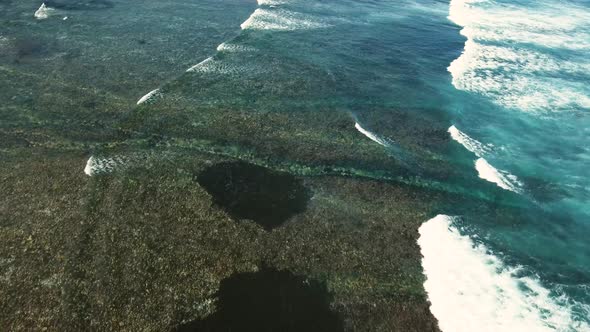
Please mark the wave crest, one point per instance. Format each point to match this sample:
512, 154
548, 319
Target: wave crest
506, 58
470, 289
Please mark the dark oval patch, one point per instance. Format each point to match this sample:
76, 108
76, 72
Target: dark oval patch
248, 191
270, 300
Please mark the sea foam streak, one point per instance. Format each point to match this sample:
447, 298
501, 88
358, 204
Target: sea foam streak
149, 96
213, 66
371, 136
503, 179
469, 143
271, 2
281, 20
229, 47
472, 290
506, 58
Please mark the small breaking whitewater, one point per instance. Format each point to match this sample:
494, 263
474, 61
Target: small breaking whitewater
528, 57
212, 65
485, 170
231, 48
43, 12
270, 15
104, 165
471, 289
503, 179
281, 20
372, 137
478, 148
149, 97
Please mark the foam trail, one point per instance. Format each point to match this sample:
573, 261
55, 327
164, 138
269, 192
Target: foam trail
372, 136
199, 67
228, 47
271, 2
469, 143
149, 96
503, 179
470, 289
281, 20
43, 12
213, 66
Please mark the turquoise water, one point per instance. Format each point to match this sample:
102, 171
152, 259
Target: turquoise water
498, 90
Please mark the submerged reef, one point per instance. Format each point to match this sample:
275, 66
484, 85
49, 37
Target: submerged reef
227, 203
150, 248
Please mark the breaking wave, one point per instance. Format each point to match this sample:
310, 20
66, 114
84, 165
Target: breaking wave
471, 289
43, 12
282, 20
485, 170
503, 179
98, 165
469, 143
506, 56
372, 136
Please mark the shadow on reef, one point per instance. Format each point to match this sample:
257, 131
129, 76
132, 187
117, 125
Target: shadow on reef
248, 191
269, 300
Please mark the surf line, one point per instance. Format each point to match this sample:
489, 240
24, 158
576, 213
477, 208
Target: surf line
485, 170
156, 93
95, 165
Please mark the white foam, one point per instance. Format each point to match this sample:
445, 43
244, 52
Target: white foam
96, 165
149, 96
469, 143
200, 64
281, 20
499, 62
271, 2
3, 41
213, 66
229, 47
372, 136
43, 12
471, 289
88, 168
503, 179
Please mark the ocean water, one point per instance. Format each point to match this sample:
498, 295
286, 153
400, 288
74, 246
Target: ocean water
497, 91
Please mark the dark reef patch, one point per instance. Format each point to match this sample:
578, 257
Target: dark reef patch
30, 48
248, 191
270, 300
544, 191
80, 4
